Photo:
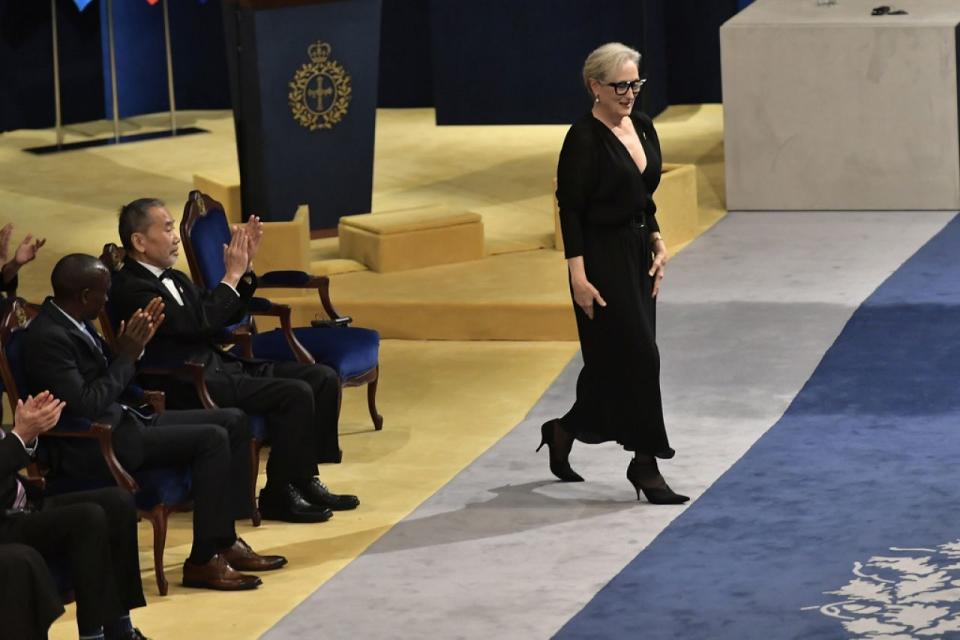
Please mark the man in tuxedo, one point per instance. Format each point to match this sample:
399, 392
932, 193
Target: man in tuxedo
300, 401
71, 360
95, 530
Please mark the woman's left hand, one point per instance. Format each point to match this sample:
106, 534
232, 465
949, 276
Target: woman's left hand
659, 263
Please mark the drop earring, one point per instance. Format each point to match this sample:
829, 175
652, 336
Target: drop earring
596, 99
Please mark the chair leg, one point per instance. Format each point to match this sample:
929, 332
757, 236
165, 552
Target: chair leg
339, 399
255, 446
158, 518
372, 402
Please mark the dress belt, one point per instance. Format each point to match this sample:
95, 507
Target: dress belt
636, 222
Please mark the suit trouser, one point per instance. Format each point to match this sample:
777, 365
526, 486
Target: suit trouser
97, 533
29, 602
300, 403
216, 445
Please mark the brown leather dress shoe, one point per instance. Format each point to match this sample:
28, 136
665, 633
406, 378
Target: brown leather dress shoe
217, 574
242, 558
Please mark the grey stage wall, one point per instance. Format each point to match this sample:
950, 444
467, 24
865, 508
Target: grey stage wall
830, 108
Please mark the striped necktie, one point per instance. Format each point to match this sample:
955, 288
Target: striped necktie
95, 343
20, 501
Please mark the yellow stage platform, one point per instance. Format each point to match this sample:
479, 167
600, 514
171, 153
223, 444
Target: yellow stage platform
519, 290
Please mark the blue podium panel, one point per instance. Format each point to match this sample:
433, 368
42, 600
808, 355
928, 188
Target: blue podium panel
304, 84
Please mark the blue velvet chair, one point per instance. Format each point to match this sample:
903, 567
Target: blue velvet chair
353, 352
157, 492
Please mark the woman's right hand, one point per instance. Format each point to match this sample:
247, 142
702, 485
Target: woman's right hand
585, 294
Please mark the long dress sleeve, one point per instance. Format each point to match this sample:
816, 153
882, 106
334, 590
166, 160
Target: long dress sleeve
576, 180
647, 129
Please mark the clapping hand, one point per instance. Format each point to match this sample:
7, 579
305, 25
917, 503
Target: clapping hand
254, 228
36, 415
5, 234
27, 250
135, 333
236, 255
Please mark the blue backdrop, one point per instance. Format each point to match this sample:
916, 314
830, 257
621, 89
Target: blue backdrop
477, 62
199, 63
26, 64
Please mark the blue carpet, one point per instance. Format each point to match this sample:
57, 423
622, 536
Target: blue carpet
842, 521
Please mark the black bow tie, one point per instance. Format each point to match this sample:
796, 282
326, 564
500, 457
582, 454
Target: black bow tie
166, 273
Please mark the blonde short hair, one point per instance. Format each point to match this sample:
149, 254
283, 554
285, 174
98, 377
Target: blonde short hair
606, 60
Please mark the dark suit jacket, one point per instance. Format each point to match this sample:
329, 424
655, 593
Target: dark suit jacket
13, 457
92, 384
189, 332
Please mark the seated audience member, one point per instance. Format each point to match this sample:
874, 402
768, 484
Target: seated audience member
26, 252
95, 530
68, 357
300, 401
9, 279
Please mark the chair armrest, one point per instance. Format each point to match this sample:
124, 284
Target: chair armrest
282, 311
156, 399
301, 280
284, 278
243, 339
193, 371
34, 477
103, 435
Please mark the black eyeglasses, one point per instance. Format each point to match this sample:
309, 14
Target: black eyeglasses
620, 88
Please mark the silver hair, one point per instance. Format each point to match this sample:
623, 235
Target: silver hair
606, 60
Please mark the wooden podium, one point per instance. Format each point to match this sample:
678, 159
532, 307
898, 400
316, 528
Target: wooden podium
303, 81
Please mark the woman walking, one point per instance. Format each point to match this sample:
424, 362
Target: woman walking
609, 168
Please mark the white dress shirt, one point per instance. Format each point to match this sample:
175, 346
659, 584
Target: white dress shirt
171, 285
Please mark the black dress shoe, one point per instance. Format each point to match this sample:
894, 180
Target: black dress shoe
317, 494
286, 504
559, 443
645, 477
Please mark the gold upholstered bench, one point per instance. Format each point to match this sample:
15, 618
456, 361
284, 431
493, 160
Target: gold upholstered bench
411, 238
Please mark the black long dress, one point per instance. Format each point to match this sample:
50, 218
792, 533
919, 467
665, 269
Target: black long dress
607, 216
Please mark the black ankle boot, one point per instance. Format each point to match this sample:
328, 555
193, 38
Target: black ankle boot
645, 477
559, 455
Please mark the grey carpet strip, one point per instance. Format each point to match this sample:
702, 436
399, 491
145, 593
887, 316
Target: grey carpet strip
504, 551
